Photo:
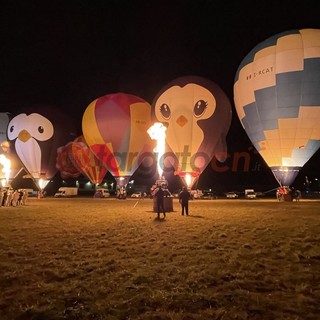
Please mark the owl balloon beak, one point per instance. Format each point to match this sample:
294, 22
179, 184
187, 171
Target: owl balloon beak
182, 121
24, 136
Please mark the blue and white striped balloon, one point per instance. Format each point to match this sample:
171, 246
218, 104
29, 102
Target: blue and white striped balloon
277, 98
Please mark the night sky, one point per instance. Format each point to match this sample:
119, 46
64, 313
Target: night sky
68, 53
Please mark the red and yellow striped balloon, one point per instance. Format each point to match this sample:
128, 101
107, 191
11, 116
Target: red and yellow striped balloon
115, 128
86, 162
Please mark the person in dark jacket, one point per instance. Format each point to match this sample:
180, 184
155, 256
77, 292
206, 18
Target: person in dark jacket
184, 198
160, 193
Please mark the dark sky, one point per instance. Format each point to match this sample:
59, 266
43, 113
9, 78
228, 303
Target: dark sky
68, 53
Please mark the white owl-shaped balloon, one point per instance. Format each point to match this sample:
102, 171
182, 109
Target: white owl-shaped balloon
37, 136
27, 131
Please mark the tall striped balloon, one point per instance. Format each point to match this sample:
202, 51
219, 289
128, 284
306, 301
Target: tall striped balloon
65, 162
115, 128
86, 162
277, 98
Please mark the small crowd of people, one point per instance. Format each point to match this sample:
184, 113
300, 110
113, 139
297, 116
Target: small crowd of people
161, 191
293, 193
10, 197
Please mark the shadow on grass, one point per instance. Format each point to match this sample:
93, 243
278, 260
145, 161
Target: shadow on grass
197, 217
167, 212
158, 220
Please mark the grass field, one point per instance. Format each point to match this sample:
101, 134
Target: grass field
111, 259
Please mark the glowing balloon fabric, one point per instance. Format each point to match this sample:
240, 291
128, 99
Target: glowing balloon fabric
5, 162
65, 162
6, 148
115, 128
36, 136
86, 162
277, 98
197, 114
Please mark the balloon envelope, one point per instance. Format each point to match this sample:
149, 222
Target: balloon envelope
197, 114
7, 148
37, 134
65, 162
115, 128
86, 162
277, 98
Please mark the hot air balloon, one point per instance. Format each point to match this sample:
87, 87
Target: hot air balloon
115, 128
197, 114
65, 162
5, 163
4, 121
36, 135
7, 152
86, 162
277, 98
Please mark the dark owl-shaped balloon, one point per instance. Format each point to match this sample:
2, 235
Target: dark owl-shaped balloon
197, 114
37, 133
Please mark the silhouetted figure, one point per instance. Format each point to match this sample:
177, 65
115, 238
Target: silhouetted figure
160, 193
184, 197
20, 197
4, 198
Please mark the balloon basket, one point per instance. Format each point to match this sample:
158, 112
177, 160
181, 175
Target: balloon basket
287, 197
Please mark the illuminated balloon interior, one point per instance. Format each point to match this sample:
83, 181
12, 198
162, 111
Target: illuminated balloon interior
42, 183
188, 180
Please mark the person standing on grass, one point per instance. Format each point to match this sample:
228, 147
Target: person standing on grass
20, 197
15, 197
1, 197
160, 192
24, 197
4, 197
184, 197
9, 197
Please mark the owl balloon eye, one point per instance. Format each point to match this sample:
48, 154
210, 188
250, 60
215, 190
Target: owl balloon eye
165, 111
199, 108
40, 129
11, 128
